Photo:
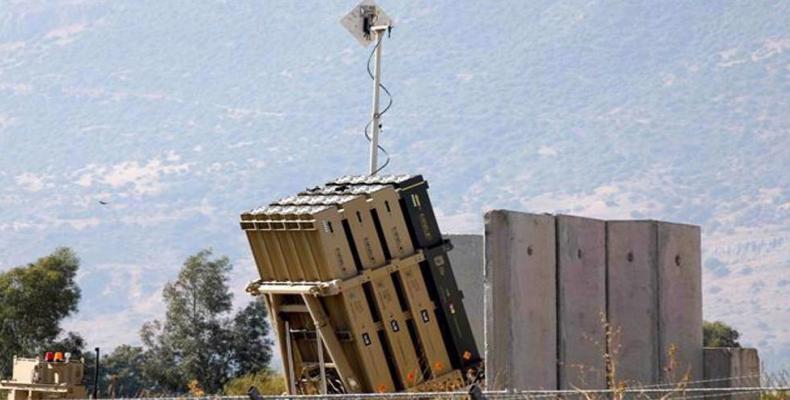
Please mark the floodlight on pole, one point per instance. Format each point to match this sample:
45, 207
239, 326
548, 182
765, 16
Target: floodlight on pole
367, 22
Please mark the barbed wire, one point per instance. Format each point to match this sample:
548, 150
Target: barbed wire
731, 378
696, 393
719, 394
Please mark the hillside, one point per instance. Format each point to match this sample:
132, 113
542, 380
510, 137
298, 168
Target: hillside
181, 114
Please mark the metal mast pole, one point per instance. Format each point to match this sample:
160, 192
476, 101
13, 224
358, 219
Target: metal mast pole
375, 117
96, 373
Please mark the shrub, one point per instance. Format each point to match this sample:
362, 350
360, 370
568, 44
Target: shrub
719, 334
266, 381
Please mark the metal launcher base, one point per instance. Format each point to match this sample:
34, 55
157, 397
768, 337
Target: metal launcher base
357, 280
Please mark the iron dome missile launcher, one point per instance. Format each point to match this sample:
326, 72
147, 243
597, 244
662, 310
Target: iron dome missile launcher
361, 293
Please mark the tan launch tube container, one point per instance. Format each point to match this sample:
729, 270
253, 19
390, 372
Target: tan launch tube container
339, 263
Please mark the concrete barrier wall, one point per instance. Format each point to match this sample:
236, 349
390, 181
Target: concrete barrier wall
581, 298
521, 312
680, 302
467, 261
549, 279
726, 367
633, 300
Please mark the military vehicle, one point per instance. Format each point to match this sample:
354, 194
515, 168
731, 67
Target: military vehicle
55, 376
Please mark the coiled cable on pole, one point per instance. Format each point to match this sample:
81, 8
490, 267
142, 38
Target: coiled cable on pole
380, 114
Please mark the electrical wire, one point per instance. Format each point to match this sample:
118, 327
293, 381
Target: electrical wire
389, 104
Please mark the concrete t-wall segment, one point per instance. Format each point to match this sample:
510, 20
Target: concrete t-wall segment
655, 300
467, 261
633, 300
521, 312
581, 301
680, 302
553, 283
728, 367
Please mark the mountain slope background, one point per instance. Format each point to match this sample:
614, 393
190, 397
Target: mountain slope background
181, 114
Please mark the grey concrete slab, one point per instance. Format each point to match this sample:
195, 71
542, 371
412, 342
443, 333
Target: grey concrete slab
520, 293
581, 298
467, 261
633, 300
732, 367
680, 301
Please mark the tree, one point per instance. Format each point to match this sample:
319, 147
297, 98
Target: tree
252, 346
200, 343
160, 358
719, 334
70, 342
123, 372
34, 300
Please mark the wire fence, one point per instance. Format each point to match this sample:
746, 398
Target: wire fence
774, 387
776, 392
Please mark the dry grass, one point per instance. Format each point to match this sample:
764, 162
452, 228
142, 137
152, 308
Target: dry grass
610, 351
267, 382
